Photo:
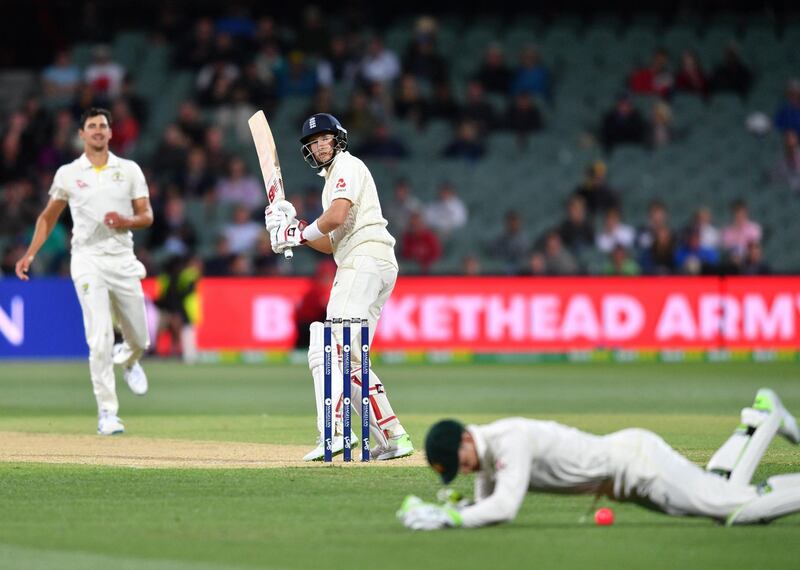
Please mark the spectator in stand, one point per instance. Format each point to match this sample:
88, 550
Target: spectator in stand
787, 118
513, 245
216, 155
754, 261
268, 32
692, 258
61, 79
359, 117
623, 125
239, 186
169, 160
382, 145
313, 304
466, 145
60, 148
126, 128
265, 262
104, 75
215, 81
470, 266
660, 125
443, 106
421, 59
197, 179
691, 78
576, 231
731, 74
171, 229
85, 98
38, 125
595, 190
258, 91
380, 102
16, 154
420, 244
409, 104
615, 232
558, 260
338, 66
537, 266
197, 50
380, 64
477, 109
402, 206
447, 213
740, 233
219, 265
620, 264
232, 116
656, 78
709, 234
270, 63
531, 76
18, 208
242, 232
493, 73
299, 80
228, 48
657, 218
523, 117
313, 35
659, 258
787, 168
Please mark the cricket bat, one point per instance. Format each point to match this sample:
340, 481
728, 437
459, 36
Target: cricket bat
268, 160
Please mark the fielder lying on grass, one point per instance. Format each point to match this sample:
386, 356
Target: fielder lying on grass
516, 455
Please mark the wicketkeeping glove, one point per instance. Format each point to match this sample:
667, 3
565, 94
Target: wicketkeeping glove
416, 514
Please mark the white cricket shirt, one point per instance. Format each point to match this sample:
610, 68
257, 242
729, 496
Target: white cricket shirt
91, 194
517, 455
364, 231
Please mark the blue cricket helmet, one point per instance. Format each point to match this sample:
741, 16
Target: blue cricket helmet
322, 123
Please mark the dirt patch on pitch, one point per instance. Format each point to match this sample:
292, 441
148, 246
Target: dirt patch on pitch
127, 451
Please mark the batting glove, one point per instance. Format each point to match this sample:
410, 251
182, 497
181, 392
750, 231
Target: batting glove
277, 213
287, 235
416, 514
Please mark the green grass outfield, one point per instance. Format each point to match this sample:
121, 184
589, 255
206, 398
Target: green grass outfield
73, 516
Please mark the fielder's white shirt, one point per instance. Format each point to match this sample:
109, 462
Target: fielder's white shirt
517, 455
91, 194
364, 231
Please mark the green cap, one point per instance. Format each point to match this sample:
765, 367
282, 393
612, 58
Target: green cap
441, 447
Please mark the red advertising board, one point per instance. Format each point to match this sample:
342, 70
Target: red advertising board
497, 314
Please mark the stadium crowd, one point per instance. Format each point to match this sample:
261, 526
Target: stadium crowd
242, 63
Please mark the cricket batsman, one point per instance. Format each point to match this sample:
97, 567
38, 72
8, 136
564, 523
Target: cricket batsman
513, 456
107, 198
351, 228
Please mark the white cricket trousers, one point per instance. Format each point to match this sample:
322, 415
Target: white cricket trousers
360, 289
650, 472
108, 287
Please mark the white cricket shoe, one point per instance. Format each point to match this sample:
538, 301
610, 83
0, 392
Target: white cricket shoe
136, 379
769, 401
318, 453
109, 424
397, 446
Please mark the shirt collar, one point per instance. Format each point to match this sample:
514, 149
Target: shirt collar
480, 447
113, 161
324, 172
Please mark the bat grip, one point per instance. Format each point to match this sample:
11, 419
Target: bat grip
288, 254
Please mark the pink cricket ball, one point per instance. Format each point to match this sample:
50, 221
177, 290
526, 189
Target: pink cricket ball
604, 517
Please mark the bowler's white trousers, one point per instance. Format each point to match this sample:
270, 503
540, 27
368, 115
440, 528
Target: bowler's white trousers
108, 287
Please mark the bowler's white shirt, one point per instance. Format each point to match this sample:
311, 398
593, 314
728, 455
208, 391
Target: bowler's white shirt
93, 192
364, 231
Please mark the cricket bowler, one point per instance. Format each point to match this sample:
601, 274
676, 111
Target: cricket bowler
351, 228
513, 456
107, 197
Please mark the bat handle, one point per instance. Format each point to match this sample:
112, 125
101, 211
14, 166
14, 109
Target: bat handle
288, 254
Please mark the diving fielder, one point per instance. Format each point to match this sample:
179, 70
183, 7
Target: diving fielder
353, 229
515, 455
107, 198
